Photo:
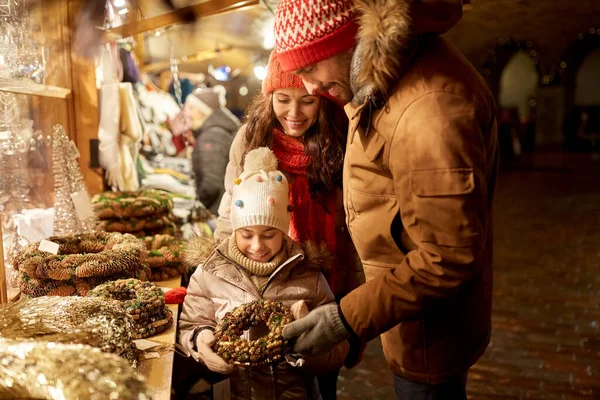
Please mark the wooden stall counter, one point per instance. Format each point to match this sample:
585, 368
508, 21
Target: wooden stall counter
159, 371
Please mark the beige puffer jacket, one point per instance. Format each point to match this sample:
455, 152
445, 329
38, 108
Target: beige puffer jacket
219, 285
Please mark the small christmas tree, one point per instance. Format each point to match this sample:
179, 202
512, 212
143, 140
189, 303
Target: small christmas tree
87, 217
69, 185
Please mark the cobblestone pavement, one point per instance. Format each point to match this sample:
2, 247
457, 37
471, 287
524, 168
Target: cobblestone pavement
546, 316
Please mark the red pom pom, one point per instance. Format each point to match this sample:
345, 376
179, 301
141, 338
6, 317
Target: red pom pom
175, 296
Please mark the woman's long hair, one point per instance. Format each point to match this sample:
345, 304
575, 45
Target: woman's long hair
324, 141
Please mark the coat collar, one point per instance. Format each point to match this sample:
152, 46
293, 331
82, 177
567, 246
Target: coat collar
388, 38
382, 41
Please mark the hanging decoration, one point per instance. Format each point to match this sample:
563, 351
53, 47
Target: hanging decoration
20, 55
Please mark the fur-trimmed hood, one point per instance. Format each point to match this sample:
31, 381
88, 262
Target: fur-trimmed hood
387, 38
315, 257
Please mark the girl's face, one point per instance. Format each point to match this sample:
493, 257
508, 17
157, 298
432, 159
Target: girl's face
259, 243
296, 110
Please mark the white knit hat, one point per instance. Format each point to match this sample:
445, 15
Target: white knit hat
260, 194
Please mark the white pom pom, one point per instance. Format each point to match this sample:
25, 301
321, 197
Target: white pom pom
260, 159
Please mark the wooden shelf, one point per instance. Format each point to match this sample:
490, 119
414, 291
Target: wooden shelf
201, 10
27, 87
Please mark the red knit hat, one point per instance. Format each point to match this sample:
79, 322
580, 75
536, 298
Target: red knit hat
278, 79
309, 31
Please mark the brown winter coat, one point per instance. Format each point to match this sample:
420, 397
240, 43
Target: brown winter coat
419, 179
348, 273
219, 285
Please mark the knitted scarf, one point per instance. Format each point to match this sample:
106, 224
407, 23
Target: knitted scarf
258, 272
310, 221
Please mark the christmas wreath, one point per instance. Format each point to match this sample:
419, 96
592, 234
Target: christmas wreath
144, 301
83, 256
267, 349
143, 203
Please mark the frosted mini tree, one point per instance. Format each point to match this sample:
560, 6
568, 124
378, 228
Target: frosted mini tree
76, 182
66, 221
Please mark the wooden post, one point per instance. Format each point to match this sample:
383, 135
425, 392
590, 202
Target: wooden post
85, 113
3, 288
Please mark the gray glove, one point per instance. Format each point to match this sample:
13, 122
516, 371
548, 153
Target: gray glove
320, 331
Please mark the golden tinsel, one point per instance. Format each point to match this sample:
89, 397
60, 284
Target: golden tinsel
73, 320
82, 256
42, 370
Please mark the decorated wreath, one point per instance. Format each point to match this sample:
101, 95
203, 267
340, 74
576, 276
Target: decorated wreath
164, 257
33, 287
143, 203
144, 301
83, 256
265, 350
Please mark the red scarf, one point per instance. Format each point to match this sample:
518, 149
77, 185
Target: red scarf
310, 221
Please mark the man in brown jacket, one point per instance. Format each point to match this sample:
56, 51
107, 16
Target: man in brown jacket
419, 180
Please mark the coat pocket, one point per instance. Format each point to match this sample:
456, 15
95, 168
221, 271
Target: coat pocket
447, 207
442, 182
370, 219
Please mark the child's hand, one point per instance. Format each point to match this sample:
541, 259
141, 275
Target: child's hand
206, 355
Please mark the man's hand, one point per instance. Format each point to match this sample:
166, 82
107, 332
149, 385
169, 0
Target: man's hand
319, 331
206, 355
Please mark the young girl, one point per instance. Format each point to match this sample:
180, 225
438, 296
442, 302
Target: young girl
308, 135
259, 261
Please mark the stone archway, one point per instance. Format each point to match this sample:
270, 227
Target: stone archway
501, 55
518, 83
578, 53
